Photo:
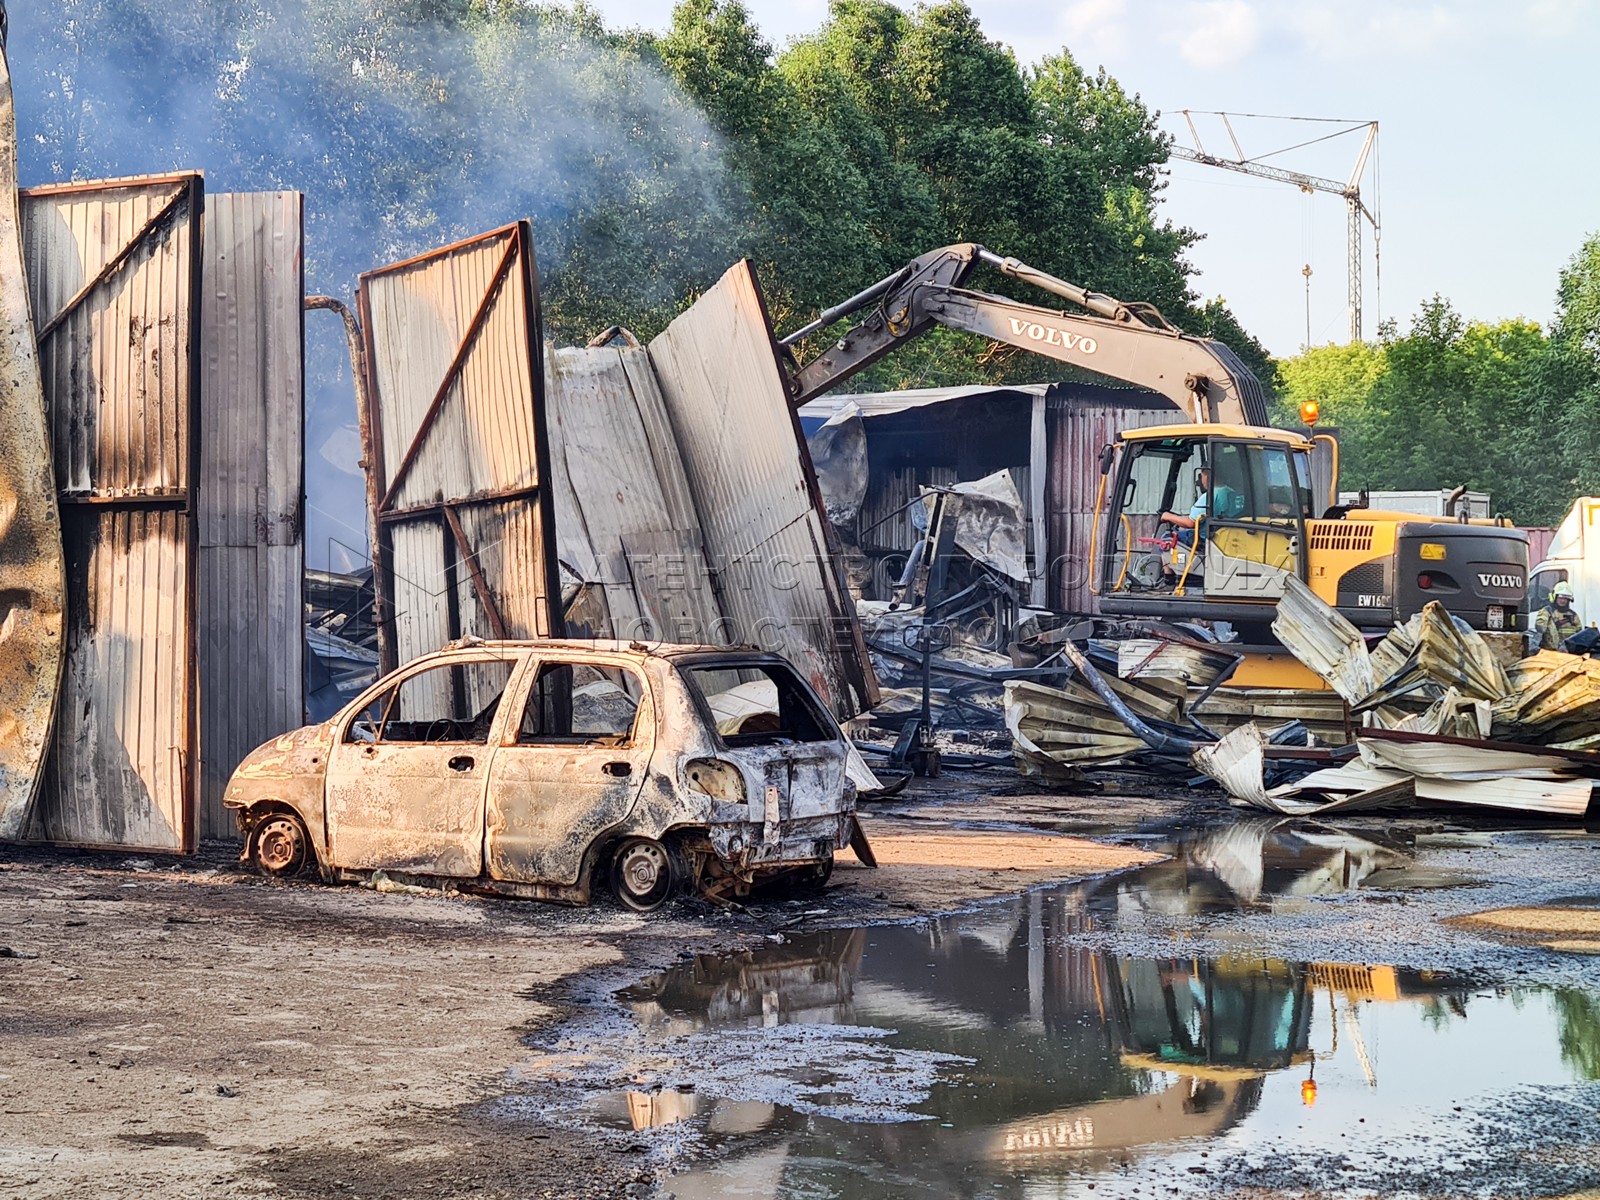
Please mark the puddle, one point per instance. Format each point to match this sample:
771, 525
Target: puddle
999, 1053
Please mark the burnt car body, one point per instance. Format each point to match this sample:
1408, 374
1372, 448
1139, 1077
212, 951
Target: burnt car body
526, 768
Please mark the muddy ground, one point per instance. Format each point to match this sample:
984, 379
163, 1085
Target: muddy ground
181, 1028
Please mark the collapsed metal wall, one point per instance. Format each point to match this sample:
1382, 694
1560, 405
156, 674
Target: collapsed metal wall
626, 522
251, 555
772, 557
457, 442
113, 274
686, 507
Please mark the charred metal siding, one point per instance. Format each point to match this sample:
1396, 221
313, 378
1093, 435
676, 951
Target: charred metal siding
624, 513
251, 485
769, 548
1078, 422
32, 571
456, 421
113, 270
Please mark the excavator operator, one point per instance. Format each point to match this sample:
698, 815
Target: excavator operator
1190, 526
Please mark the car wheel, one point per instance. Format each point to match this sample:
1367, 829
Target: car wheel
644, 874
280, 845
815, 877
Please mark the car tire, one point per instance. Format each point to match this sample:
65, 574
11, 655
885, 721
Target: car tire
815, 877
645, 874
280, 847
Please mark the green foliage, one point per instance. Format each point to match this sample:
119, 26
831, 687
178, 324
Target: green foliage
648, 163
1580, 1031
1500, 407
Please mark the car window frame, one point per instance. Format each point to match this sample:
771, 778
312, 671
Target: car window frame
511, 734
397, 677
702, 704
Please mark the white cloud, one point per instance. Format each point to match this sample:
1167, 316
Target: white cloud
1096, 31
1219, 33
1344, 31
1555, 17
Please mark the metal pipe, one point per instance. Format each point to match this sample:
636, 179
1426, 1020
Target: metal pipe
1160, 742
843, 309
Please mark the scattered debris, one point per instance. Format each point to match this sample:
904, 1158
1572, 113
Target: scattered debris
1445, 722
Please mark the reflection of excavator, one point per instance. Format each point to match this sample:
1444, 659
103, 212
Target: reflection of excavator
1243, 490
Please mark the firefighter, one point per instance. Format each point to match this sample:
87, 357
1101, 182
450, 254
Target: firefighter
1557, 621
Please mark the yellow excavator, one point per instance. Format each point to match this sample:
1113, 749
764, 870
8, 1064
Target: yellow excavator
1204, 520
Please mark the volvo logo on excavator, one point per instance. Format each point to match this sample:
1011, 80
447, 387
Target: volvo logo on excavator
1499, 581
1050, 336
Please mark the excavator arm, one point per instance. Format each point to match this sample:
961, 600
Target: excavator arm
1128, 341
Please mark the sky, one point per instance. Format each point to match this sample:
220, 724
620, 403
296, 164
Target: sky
1486, 175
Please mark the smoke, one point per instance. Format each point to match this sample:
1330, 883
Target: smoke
407, 125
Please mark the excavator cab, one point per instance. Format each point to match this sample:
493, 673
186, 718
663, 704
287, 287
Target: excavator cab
1203, 521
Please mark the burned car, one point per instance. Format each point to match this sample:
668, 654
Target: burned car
527, 768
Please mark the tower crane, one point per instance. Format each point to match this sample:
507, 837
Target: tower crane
1350, 189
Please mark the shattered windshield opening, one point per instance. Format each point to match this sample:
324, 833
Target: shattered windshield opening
760, 704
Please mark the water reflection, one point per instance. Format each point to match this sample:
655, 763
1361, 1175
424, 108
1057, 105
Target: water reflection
1085, 1060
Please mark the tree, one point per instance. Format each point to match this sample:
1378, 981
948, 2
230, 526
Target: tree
1451, 402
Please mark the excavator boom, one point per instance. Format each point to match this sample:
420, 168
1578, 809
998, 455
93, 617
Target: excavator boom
1131, 342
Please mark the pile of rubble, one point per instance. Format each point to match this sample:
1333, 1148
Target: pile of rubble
1151, 702
1444, 719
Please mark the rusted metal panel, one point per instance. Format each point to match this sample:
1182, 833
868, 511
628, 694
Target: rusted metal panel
770, 550
113, 272
32, 579
251, 557
1078, 422
456, 422
625, 516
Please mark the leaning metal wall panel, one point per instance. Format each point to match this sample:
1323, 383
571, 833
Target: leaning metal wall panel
113, 270
458, 446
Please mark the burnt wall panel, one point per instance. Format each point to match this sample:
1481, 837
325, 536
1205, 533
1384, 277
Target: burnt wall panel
767, 543
456, 420
251, 556
113, 271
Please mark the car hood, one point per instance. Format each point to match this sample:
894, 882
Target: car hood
298, 752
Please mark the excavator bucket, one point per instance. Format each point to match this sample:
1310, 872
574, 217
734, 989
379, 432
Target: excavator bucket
32, 571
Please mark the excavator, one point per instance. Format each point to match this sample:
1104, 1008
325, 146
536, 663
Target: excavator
1207, 519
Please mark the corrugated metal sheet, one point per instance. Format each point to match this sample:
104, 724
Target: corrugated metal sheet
251, 558
32, 577
886, 523
1076, 427
883, 404
457, 402
1540, 539
113, 269
768, 545
626, 520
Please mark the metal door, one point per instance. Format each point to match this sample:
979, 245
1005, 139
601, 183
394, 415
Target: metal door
113, 268
554, 790
411, 798
457, 449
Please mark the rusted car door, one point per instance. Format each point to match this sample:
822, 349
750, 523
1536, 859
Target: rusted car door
570, 768
406, 775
